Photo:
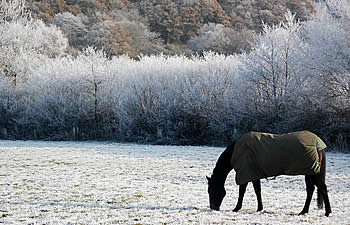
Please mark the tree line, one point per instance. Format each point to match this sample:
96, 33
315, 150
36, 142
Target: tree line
296, 76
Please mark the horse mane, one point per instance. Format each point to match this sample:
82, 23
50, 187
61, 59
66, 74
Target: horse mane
223, 165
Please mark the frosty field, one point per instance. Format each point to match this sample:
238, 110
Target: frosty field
110, 183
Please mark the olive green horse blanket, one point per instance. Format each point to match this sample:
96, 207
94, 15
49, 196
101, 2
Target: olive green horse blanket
261, 155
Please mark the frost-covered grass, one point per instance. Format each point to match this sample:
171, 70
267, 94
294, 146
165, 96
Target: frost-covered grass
109, 183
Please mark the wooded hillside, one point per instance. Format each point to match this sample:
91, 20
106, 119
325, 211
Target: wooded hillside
136, 27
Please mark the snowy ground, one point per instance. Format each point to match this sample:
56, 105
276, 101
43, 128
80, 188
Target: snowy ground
109, 183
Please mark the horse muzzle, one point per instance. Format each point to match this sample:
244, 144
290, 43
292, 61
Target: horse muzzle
215, 208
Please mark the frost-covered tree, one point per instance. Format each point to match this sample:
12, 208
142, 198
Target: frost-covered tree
218, 38
73, 27
112, 37
24, 42
274, 81
176, 99
144, 41
75, 97
20, 34
13, 10
327, 34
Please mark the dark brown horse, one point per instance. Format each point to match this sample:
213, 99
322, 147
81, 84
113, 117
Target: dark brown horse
225, 163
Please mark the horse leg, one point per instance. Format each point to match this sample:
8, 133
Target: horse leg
309, 192
257, 189
242, 189
322, 188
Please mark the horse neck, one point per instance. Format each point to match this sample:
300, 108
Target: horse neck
223, 166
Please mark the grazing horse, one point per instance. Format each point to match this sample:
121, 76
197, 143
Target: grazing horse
261, 155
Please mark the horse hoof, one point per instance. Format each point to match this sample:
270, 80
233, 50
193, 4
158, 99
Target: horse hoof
327, 213
236, 209
302, 213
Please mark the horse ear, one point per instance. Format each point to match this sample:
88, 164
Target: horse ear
208, 178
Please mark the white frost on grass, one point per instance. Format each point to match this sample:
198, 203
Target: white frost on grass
110, 183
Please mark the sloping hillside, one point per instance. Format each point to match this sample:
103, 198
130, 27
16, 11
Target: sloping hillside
153, 26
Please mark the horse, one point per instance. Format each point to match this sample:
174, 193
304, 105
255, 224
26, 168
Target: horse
255, 156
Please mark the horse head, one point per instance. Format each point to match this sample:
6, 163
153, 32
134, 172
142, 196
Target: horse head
216, 193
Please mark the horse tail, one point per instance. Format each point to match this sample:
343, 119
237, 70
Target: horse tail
322, 156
